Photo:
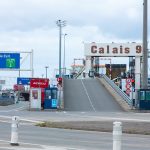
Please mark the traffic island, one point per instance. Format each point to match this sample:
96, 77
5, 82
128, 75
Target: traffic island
100, 126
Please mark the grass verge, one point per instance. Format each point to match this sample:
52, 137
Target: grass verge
100, 126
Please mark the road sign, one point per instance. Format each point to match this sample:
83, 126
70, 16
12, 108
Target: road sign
19, 87
128, 86
9, 60
23, 81
128, 91
128, 80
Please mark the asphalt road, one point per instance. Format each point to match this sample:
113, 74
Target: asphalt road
69, 139
73, 139
88, 95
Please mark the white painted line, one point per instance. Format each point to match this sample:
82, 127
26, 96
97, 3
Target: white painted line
16, 109
39, 146
105, 118
5, 121
88, 95
22, 119
3, 116
32, 121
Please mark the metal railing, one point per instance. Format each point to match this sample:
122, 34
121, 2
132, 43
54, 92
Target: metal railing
79, 73
118, 90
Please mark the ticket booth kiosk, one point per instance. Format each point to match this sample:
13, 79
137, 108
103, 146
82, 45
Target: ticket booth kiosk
37, 86
143, 99
50, 101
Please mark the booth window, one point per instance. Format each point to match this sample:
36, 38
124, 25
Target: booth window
147, 95
142, 95
54, 94
47, 94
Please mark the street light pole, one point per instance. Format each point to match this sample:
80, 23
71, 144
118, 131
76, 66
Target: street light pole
64, 64
145, 49
60, 24
46, 71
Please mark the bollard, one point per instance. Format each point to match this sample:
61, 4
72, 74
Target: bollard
117, 134
14, 131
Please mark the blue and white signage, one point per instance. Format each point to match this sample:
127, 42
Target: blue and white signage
54, 103
9, 60
23, 81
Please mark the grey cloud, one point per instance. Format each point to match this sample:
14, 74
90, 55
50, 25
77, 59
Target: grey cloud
109, 16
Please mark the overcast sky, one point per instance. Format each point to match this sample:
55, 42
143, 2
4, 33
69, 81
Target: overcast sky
31, 24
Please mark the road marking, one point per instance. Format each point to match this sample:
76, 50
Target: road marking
5, 121
16, 109
39, 146
106, 118
21, 119
88, 95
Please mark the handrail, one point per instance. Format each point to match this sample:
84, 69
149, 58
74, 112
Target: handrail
79, 73
118, 90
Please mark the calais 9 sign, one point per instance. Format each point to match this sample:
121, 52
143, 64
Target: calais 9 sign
113, 49
9, 60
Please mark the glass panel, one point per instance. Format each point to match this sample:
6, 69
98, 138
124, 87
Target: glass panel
142, 95
54, 94
47, 94
147, 95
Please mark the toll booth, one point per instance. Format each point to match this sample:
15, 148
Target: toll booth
37, 89
143, 102
50, 101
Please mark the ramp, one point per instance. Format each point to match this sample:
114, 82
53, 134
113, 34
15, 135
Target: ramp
88, 95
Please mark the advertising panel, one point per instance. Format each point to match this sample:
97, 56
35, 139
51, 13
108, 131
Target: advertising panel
113, 49
39, 83
9, 60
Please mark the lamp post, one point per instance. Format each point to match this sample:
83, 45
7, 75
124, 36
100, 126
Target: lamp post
64, 64
145, 50
46, 71
60, 24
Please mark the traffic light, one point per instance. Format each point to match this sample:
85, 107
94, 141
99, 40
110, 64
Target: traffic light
133, 83
59, 80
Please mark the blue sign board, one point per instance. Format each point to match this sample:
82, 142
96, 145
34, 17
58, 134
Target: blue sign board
9, 60
54, 103
23, 81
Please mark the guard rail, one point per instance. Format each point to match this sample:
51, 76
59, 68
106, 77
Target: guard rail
118, 90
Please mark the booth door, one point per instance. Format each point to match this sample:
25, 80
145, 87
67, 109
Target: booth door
35, 95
